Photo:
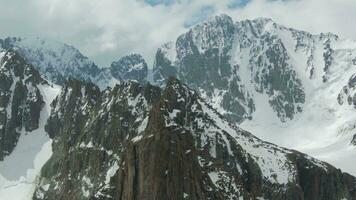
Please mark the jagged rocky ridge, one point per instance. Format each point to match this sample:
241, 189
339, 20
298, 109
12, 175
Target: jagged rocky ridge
20, 100
348, 92
58, 61
140, 142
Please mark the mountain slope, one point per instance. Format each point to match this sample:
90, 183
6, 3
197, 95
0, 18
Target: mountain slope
169, 144
24, 108
277, 82
21, 100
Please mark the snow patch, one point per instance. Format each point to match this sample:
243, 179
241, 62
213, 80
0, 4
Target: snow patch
19, 171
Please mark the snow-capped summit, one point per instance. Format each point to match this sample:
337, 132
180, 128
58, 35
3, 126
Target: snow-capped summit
55, 60
58, 61
277, 82
131, 67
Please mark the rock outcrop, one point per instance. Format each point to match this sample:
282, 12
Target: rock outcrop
131, 67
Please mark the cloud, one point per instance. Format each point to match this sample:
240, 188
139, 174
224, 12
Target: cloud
105, 30
315, 16
157, 2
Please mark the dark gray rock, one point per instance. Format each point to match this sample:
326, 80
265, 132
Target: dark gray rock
20, 100
328, 59
348, 93
353, 141
131, 67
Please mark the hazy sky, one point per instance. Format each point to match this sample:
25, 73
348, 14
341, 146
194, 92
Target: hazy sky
105, 30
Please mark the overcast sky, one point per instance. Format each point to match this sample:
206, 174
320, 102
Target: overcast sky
105, 30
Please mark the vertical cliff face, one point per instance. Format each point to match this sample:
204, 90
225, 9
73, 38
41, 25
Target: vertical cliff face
20, 100
89, 128
348, 93
163, 164
138, 142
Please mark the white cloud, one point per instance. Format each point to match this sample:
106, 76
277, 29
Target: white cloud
108, 29
336, 16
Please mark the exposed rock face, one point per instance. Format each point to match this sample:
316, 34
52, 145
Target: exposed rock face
203, 62
131, 67
206, 59
348, 93
90, 129
353, 141
20, 100
164, 66
138, 142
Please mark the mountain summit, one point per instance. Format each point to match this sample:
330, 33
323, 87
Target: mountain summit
277, 82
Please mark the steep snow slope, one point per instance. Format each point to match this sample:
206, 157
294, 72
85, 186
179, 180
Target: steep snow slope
284, 85
325, 128
20, 170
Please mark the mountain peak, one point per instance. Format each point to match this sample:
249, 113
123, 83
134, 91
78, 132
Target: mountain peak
57, 61
172, 80
130, 67
177, 91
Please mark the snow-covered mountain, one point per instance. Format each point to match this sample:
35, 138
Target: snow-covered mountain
21, 100
131, 67
128, 68
140, 142
286, 86
58, 61
55, 60
25, 99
